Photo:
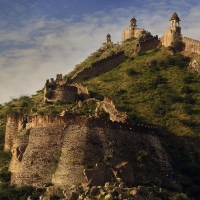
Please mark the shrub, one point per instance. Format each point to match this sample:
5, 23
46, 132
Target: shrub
186, 89
5, 176
49, 94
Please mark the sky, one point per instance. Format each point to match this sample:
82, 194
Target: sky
42, 38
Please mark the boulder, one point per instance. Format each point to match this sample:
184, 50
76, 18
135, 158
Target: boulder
52, 190
94, 190
134, 192
108, 196
123, 172
142, 189
123, 195
103, 192
107, 184
98, 179
98, 176
70, 195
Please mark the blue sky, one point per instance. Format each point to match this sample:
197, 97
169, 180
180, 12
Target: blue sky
42, 38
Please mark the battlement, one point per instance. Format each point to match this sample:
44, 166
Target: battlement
99, 67
37, 121
191, 45
147, 44
59, 90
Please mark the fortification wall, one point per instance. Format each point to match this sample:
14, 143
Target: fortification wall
13, 125
170, 35
57, 149
100, 67
63, 93
147, 44
59, 90
128, 33
191, 45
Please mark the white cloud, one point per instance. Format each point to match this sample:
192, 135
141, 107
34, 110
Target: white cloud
43, 47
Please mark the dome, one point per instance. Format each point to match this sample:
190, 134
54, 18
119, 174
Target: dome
108, 35
175, 17
133, 20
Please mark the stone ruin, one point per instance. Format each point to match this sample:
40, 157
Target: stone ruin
55, 90
146, 43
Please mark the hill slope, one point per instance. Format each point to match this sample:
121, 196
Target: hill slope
154, 88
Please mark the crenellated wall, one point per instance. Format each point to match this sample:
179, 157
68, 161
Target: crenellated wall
59, 90
147, 44
100, 67
191, 45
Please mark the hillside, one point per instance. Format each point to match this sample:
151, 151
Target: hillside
155, 88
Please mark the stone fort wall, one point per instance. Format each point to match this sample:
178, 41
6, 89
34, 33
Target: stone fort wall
99, 67
17, 123
128, 33
191, 45
59, 90
147, 44
58, 149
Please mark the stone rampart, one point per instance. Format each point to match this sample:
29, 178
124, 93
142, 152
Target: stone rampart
136, 32
191, 45
100, 67
147, 44
12, 127
38, 121
59, 90
58, 149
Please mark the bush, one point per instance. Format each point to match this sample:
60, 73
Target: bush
49, 94
5, 176
131, 72
186, 89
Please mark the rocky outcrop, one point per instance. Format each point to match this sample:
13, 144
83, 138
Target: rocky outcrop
194, 66
109, 107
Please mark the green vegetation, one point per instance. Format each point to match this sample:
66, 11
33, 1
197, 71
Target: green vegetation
156, 88
104, 51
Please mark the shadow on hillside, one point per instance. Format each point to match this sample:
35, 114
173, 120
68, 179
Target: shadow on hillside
184, 152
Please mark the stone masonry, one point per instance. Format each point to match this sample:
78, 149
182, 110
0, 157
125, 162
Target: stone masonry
132, 30
173, 33
58, 149
99, 67
147, 44
55, 90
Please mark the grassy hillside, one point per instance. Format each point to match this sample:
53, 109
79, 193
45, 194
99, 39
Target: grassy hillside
154, 88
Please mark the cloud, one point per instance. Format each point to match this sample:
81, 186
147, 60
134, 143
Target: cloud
42, 47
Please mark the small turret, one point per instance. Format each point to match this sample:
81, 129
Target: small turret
173, 33
133, 24
175, 20
108, 38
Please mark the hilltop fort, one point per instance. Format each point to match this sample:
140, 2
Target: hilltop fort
58, 149
59, 89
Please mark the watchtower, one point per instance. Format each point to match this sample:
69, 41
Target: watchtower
173, 32
133, 24
132, 30
175, 20
108, 38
